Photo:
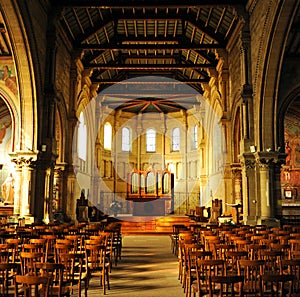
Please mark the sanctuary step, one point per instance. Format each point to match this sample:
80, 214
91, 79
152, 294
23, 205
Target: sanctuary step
134, 225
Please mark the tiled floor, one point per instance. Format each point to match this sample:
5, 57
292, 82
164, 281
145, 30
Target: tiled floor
147, 269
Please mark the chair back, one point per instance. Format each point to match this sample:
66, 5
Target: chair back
31, 286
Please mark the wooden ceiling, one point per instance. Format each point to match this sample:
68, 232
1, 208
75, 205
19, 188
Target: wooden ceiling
126, 39
173, 43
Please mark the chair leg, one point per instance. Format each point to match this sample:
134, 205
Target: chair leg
107, 279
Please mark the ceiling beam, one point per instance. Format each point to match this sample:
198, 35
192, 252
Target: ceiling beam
148, 4
147, 46
151, 82
148, 66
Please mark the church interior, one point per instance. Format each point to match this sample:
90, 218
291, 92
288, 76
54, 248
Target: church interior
123, 109
175, 120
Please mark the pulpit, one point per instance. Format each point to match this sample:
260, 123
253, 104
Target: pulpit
82, 209
236, 213
216, 210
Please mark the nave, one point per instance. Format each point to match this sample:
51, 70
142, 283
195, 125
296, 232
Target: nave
147, 269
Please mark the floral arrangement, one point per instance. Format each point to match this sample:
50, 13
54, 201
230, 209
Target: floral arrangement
115, 206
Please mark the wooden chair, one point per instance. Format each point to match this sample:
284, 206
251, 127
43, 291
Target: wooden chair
16, 242
76, 241
232, 258
222, 249
28, 262
31, 286
204, 270
190, 273
62, 247
75, 271
254, 251
279, 285
50, 244
273, 260
227, 285
54, 271
97, 261
252, 271
177, 228
7, 274
292, 266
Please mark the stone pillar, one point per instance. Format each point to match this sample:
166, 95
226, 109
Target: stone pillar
186, 168
24, 185
58, 203
249, 192
139, 132
163, 143
116, 145
246, 82
69, 186
266, 163
237, 185
17, 189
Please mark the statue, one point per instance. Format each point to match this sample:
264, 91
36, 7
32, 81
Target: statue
7, 189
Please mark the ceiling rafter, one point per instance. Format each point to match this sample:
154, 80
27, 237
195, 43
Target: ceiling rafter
125, 82
148, 66
149, 4
183, 17
115, 46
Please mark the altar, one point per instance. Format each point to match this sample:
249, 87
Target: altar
150, 192
6, 210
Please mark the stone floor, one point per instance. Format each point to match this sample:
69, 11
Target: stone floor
147, 269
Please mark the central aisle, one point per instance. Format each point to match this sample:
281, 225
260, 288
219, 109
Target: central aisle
147, 269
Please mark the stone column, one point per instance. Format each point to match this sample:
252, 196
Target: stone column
139, 131
163, 143
265, 164
237, 185
249, 186
24, 185
58, 203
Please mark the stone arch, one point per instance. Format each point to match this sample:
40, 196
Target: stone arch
293, 94
10, 102
27, 111
266, 129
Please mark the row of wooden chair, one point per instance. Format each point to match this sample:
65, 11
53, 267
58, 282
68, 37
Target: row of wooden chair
67, 262
266, 251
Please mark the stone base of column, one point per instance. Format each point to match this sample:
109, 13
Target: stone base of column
250, 220
270, 222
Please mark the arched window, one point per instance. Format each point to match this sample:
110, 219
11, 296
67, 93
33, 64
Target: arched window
175, 139
151, 140
150, 183
134, 183
126, 139
82, 138
107, 136
195, 137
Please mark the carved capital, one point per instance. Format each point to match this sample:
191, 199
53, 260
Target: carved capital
248, 161
267, 159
